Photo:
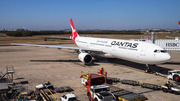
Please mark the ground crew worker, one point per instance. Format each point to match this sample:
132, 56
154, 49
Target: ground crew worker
169, 84
102, 70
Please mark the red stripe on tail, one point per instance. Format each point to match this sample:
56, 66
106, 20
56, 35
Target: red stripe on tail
74, 32
179, 23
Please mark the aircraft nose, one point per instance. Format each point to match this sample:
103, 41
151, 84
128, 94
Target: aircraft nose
167, 57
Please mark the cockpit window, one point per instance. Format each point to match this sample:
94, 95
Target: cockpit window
163, 51
157, 51
160, 51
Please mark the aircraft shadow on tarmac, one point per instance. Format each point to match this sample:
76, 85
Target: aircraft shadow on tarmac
54, 60
139, 66
172, 63
117, 61
77, 61
154, 68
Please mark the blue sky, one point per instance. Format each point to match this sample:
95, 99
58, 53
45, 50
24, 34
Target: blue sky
89, 14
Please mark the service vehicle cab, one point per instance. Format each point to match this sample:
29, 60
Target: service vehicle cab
100, 93
89, 79
69, 97
174, 75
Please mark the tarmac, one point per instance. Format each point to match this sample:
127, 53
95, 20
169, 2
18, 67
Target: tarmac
38, 65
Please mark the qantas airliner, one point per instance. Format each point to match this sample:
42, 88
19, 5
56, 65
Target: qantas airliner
135, 51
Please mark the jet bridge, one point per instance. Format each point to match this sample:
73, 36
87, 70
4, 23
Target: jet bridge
171, 45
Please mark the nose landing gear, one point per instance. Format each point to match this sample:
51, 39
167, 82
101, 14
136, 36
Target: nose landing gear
148, 70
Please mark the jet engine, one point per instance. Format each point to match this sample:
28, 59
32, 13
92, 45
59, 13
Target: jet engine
85, 57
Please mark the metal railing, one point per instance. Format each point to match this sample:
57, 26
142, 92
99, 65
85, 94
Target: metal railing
16, 93
8, 70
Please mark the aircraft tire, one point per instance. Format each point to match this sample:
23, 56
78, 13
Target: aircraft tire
164, 90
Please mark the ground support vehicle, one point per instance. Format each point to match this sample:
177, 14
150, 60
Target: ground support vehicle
43, 90
68, 97
160, 74
111, 80
45, 96
100, 93
24, 95
88, 79
174, 75
128, 96
151, 86
131, 82
124, 95
96, 90
171, 89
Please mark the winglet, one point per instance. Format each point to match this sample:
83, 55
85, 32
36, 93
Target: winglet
74, 32
179, 23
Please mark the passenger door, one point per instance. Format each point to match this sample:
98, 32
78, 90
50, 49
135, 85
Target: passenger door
143, 51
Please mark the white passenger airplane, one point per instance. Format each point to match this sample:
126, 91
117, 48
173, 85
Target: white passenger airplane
135, 51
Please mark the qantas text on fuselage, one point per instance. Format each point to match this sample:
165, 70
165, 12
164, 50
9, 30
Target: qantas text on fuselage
125, 44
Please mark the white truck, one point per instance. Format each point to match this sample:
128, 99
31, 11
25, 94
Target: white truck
68, 97
100, 93
174, 75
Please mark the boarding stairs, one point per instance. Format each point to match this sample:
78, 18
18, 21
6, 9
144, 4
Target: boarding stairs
17, 92
8, 72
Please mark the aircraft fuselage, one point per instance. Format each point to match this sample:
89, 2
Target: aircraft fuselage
136, 51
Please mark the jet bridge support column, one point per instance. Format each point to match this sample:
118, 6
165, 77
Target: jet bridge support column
153, 37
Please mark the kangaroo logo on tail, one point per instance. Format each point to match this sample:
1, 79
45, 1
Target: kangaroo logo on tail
179, 23
74, 32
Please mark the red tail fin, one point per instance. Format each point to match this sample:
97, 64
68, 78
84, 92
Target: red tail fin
179, 23
74, 32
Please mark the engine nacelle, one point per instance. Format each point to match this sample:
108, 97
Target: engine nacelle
85, 57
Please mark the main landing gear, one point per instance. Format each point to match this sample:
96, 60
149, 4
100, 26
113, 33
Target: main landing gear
148, 70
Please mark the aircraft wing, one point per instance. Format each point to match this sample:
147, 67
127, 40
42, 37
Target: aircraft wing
59, 47
63, 38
